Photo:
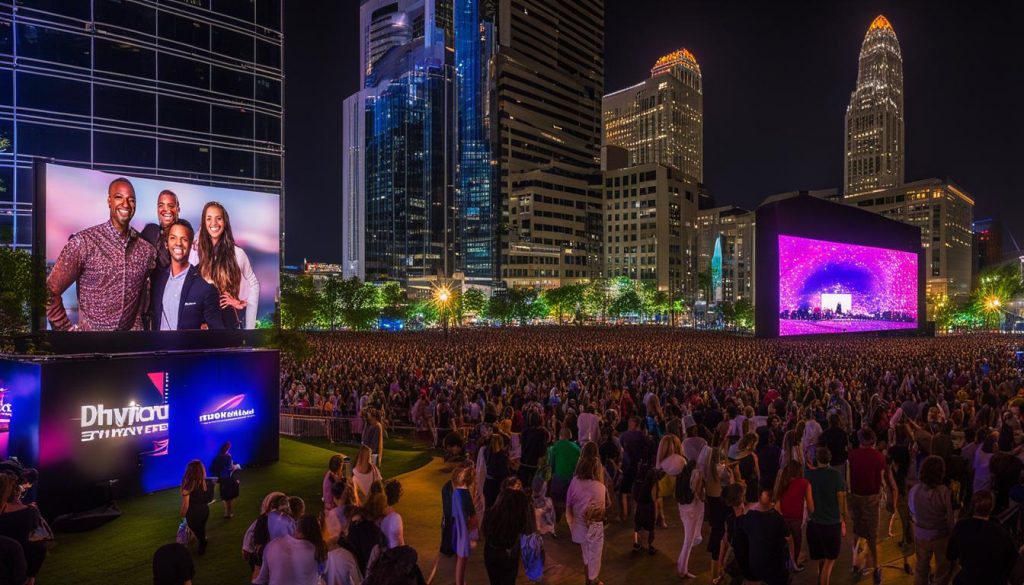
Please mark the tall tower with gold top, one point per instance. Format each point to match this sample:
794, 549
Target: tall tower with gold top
661, 119
875, 144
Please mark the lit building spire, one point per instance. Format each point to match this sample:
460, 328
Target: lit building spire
875, 150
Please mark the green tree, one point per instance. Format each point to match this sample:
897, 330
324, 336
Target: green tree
300, 301
997, 287
564, 300
499, 307
22, 288
360, 304
525, 305
597, 297
474, 302
329, 308
393, 301
424, 311
743, 314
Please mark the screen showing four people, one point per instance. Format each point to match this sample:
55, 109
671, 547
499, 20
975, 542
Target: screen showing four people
127, 253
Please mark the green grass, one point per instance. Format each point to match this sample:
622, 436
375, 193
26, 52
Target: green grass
122, 551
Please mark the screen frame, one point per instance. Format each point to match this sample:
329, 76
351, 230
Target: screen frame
804, 216
38, 313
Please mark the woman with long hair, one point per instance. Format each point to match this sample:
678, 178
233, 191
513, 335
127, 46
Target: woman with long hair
506, 521
223, 468
465, 519
495, 467
364, 473
931, 505
295, 559
691, 495
258, 534
227, 267
17, 521
336, 518
585, 506
668, 446
195, 501
792, 493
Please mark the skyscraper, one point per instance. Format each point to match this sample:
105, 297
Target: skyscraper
549, 79
397, 150
661, 119
188, 91
874, 144
477, 214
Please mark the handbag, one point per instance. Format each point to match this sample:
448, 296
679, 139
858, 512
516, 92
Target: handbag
184, 533
42, 532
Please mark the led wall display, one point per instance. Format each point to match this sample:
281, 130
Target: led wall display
78, 220
137, 419
831, 287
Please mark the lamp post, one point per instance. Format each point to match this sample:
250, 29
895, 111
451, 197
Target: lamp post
442, 297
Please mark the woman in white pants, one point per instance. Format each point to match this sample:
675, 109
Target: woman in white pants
691, 513
585, 505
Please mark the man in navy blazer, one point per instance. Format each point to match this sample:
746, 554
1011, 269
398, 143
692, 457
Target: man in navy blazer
181, 299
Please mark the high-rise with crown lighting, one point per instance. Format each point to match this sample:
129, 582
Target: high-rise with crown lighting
661, 119
875, 147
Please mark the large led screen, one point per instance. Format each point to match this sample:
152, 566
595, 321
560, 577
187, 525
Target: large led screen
137, 419
830, 287
119, 264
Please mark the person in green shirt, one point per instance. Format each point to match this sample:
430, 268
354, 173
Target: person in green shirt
562, 459
826, 525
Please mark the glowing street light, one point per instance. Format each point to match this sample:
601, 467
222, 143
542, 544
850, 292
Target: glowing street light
442, 297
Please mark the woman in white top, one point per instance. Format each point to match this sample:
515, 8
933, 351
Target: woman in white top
585, 505
294, 559
364, 473
227, 267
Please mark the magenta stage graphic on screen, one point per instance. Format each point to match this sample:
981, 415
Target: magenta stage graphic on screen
109, 283
829, 287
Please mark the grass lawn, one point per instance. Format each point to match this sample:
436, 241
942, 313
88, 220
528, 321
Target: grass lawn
122, 551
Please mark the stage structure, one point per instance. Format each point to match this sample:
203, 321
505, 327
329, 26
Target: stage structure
86, 420
823, 267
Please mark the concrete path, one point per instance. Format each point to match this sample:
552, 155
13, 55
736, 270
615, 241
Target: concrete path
421, 512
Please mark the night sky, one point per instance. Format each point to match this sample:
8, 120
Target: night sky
777, 79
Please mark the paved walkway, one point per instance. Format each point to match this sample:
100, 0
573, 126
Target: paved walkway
421, 511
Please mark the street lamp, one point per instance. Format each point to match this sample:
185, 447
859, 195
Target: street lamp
442, 297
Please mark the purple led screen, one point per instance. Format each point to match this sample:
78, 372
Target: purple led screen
829, 287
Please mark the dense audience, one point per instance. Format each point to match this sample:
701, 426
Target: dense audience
783, 447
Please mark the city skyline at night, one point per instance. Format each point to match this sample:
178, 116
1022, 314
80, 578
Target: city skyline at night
773, 103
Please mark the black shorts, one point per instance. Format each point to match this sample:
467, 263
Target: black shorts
824, 541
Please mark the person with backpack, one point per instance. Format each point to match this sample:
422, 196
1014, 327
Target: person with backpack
690, 496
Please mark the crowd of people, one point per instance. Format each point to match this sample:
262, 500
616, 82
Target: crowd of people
786, 449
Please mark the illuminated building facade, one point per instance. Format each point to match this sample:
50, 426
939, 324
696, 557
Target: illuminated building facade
477, 213
944, 212
650, 216
188, 91
398, 157
546, 104
661, 119
874, 140
726, 232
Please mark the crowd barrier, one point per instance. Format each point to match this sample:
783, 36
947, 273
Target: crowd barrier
336, 429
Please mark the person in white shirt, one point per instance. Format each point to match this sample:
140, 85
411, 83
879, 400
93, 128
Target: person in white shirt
294, 559
391, 522
588, 425
342, 568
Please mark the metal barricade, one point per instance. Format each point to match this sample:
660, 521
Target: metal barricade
333, 428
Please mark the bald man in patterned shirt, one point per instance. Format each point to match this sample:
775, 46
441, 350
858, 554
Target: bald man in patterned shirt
111, 263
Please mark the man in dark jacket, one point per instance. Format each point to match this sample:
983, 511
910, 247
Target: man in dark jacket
181, 299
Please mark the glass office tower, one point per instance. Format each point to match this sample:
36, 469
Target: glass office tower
185, 90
